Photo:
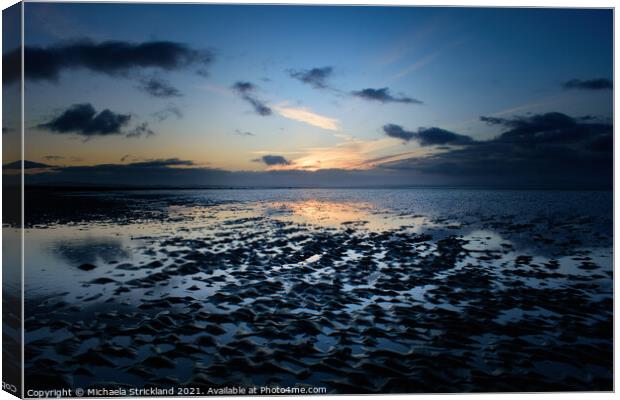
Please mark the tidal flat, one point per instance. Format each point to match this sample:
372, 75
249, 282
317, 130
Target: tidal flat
354, 290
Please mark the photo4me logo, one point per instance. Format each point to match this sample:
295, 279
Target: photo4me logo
9, 387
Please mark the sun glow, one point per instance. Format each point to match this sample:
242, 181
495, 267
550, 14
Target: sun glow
352, 153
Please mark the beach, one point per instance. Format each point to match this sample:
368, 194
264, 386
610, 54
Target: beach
415, 290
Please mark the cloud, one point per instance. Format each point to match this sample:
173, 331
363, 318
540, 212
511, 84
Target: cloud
551, 149
428, 58
243, 87
259, 107
492, 120
553, 127
243, 133
246, 91
590, 84
383, 95
114, 58
428, 136
417, 65
12, 66
161, 163
315, 77
158, 87
436, 136
397, 131
307, 116
27, 165
140, 130
170, 111
352, 153
272, 160
54, 158
83, 120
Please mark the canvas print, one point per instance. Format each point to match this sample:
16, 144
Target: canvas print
270, 199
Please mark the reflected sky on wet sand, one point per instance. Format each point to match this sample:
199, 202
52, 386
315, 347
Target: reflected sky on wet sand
412, 275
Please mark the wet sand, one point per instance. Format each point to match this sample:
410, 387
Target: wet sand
160, 290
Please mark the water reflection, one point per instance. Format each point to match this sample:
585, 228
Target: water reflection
91, 250
322, 213
337, 214
323, 282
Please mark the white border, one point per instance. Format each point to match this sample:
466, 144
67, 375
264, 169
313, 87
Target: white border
445, 3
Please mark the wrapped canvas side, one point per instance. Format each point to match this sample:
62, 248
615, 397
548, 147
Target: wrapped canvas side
12, 201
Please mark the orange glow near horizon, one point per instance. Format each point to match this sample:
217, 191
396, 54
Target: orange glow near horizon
351, 154
338, 214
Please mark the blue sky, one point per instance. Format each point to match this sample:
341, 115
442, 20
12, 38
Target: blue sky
460, 63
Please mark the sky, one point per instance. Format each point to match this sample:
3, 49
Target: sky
316, 95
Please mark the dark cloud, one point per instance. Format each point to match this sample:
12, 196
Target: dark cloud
244, 87
158, 87
12, 66
273, 160
116, 58
315, 77
397, 131
246, 91
590, 84
551, 128
492, 120
170, 111
243, 133
538, 122
551, 149
602, 143
27, 165
383, 95
161, 163
428, 136
142, 129
83, 120
259, 107
437, 136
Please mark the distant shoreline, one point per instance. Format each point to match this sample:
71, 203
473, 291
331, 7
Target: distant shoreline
98, 188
